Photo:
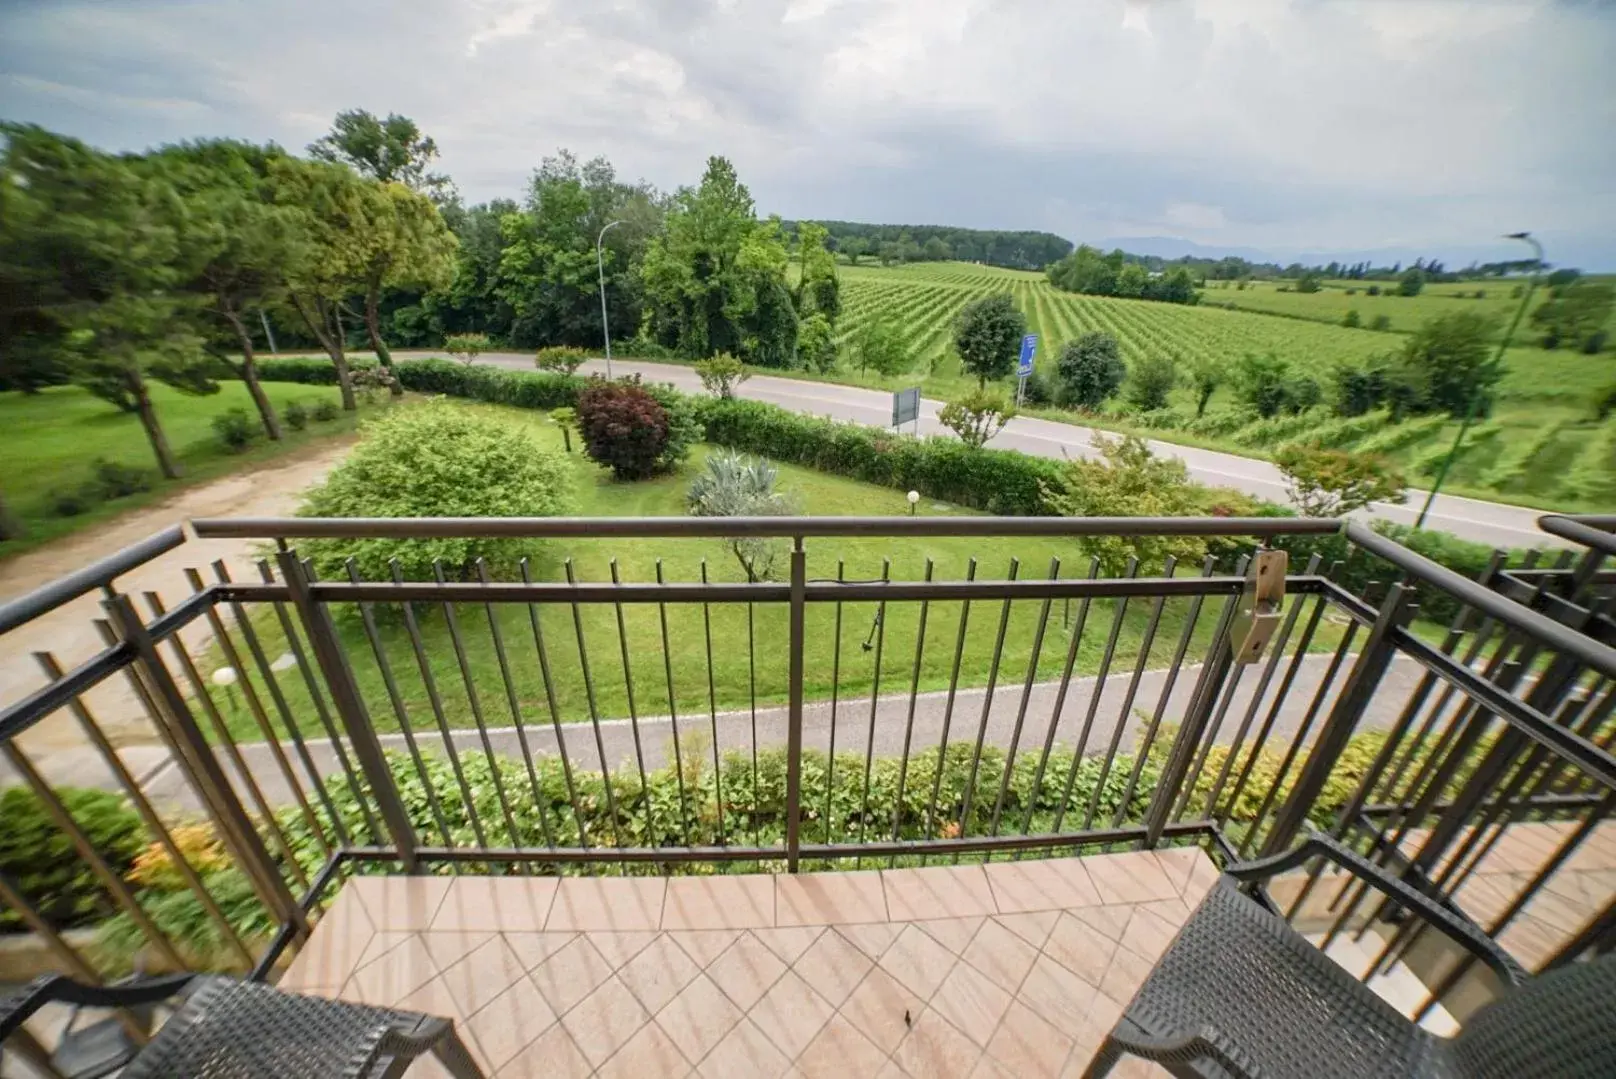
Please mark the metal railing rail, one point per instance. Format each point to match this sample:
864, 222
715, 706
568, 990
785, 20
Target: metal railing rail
1509, 721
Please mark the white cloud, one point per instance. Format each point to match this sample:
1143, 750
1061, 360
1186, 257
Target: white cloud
1284, 123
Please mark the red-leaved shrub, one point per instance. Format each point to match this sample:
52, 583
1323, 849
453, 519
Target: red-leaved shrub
623, 427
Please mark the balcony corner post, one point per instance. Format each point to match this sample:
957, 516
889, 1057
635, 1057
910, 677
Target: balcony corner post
799, 585
333, 663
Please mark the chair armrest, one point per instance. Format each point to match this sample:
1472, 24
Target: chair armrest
56, 989
1464, 932
1206, 1043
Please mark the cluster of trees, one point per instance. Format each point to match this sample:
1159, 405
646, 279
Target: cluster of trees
177, 265
117, 271
1088, 271
889, 244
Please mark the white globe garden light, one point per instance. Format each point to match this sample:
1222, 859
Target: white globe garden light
914, 500
284, 662
224, 676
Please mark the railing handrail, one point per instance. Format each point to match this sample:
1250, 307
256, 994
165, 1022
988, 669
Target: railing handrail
1600, 657
677, 527
1590, 531
63, 590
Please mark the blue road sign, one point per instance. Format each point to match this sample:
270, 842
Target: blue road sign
1029, 345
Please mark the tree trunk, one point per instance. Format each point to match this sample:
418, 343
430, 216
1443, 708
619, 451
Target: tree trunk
373, 324
249, 375
319, 323
154, 430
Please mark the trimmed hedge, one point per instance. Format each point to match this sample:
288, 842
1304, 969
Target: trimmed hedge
999, 481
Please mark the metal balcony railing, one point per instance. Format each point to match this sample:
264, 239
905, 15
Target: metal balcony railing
545, 723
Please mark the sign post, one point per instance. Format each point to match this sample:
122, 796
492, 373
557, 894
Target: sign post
906, 407
1029, 347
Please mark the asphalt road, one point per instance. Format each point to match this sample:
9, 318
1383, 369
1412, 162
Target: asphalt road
1483, 522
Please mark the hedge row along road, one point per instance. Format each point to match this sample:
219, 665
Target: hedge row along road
1481, 522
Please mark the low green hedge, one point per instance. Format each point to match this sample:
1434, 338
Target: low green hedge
40, 859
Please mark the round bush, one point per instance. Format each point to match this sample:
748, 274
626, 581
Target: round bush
623, 427
1091, 370
436, 460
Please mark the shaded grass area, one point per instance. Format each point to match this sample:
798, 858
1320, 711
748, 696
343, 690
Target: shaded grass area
53, 439
608, 660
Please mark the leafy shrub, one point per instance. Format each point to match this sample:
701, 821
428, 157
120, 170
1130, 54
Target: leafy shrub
295, 415
816, 343
234, 428
563, 359
437, 460
882, 346
324, 411
1324, 482
1382, 323
623, 427
645, 349
977, 417
1127, 480
1351, 319
1263, 383
999, 481
466, 347
720, 374
72, 501
114, 479
1373, 290
307, 370
1090, 369
40, 859
521, 389
1151, 381
1205, 375
1303, 393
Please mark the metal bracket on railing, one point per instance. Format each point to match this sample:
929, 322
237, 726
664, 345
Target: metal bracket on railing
1257, 615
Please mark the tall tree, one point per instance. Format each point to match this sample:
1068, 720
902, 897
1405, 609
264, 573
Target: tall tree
988, 336
108, 244
335, 212
391, 151
818, 289
406, 245
243, 243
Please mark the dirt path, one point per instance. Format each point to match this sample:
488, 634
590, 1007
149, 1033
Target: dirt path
69, 632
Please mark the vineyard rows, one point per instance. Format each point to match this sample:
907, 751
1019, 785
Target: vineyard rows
1539, 444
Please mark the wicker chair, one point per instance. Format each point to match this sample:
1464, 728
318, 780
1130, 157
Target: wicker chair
1240, 993
227, 1029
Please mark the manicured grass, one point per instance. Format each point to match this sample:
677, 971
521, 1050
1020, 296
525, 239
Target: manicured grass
53, 439
734, 665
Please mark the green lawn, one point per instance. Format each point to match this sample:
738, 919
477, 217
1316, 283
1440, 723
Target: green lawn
54, 438
734, 665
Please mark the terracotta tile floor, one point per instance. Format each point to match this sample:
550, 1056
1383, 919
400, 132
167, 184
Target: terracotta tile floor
1014, 969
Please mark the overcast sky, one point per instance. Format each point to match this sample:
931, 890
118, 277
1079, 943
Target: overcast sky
1281, 125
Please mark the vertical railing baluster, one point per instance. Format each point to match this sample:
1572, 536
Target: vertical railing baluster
875, 700
1059, 706
712, 710
594, 711
515, 706
835, 701
1080, 751
968, 800
633, 714
350, 705
235, 826
367, 618
543, 654
909, 720
798, 643
948, 706
673, 714
1026, 699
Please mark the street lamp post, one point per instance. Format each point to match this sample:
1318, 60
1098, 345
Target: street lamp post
1475, 395
600, 266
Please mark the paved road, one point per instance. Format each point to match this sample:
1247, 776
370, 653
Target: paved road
1483, 522
851, 723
